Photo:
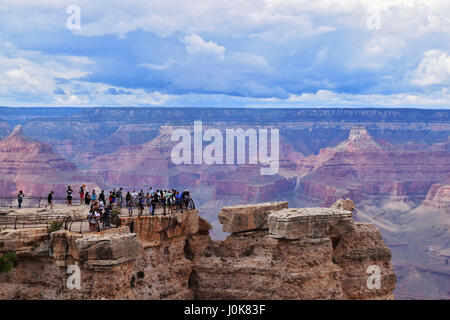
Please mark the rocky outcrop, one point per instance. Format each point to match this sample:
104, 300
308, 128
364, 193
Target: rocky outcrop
309, 222
346, 204
308, 253
248, 217
438, 197
21, 241
97, 250
277, 253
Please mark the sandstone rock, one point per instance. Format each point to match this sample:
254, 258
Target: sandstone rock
356, 251
346, 204
105, 249
248, 217
22, 240
152, 230
309, 222
204, 225
109, 249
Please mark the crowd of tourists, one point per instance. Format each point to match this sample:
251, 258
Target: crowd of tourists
103, 204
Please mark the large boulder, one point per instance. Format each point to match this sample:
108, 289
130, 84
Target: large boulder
346, 204
248, 217
309, 222
105, 249
22, 241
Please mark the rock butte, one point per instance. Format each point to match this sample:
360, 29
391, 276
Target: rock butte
277, 253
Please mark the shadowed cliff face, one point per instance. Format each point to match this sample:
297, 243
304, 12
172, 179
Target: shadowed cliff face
273, 253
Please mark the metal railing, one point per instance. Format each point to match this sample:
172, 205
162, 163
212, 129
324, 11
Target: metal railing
33, 201
26, 221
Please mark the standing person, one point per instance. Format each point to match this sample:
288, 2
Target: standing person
134, 196
119, 197
171, 203
101, 197
112, 197
93, 196
148, 199
82, 194
178, 201
20, 199
140, 207
101, 206
50, 199
69, 196
130, 207
128, 197
155, 201
163, 200
93, 218
141, 196
87, 199
106, 217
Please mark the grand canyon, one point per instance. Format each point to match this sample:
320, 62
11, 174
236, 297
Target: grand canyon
393, 163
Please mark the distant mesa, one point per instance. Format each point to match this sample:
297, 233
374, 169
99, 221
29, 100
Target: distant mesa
360, 140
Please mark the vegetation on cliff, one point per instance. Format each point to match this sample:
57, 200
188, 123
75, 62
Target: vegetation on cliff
7, 261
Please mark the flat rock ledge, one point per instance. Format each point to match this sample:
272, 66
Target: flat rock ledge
296, 223
248, 217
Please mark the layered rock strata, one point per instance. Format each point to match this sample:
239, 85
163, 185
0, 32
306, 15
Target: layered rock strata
272, 253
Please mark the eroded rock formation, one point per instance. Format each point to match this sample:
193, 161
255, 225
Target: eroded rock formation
272, 253
24, 162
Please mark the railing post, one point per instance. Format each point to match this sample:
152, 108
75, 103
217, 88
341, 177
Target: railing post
15, 223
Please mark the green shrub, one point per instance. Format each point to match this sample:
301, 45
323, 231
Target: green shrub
7, 261
55, 226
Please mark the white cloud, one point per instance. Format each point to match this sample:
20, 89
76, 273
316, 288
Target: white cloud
30, 78
153, 66
196, 45
434, 69
327, 98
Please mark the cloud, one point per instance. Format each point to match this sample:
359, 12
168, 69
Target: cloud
196, 45
116, 92
434, 69
232, 52
163, 66
59, 91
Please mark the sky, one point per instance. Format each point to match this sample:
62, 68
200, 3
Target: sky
225, 53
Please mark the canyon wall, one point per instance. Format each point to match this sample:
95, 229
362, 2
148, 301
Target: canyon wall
272, 253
